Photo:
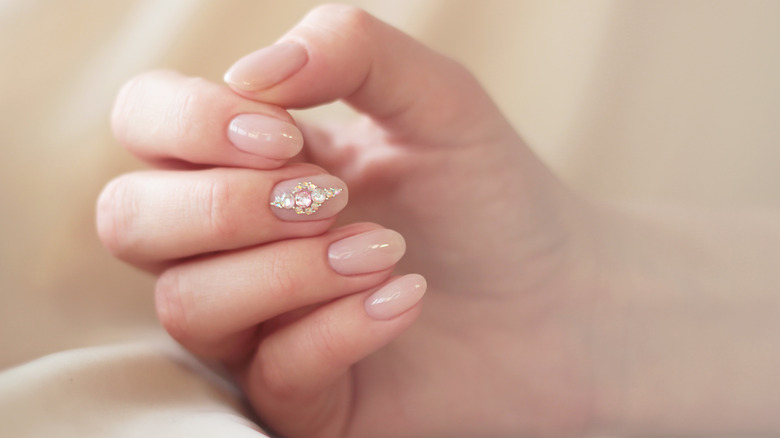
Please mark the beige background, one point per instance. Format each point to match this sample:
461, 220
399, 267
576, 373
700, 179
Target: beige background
652, 100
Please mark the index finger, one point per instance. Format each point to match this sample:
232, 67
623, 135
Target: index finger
170, 120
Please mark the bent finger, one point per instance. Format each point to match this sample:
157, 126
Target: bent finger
156, 216
171, 120
213, 305
300, 370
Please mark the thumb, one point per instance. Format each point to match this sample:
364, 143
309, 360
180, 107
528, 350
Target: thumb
341, 52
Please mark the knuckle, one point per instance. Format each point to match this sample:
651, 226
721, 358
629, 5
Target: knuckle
170, 305
122, 108
163, 106
462, 73
344, 17
275, 373
318, 343
280, 274
216, 199
116, 210
467, 80
191, 99
324, 339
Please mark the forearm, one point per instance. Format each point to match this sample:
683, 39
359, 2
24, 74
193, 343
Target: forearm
700, 298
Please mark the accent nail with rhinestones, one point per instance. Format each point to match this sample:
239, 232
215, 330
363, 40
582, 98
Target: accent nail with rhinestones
305, 198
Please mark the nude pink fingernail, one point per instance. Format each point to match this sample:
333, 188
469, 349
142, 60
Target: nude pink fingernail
368, 252
265, 136
267, 67
308, 198
396, 297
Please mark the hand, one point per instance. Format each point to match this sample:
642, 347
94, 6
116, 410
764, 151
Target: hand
502, 345
542, 316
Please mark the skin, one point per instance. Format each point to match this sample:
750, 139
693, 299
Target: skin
547, 314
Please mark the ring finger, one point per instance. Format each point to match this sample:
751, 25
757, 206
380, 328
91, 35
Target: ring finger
212, 305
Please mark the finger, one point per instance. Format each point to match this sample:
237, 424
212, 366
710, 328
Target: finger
299, 371
171, 120
212, 306
341, 52
151, 217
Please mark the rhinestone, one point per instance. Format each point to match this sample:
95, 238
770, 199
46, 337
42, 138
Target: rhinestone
319, 195
303, 199
287, 201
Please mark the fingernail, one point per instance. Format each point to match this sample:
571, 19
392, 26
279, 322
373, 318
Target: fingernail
265, 136
309, 198
267, 67
368, 252
396, 298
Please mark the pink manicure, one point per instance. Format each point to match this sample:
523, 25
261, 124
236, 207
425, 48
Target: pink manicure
267, 67
265, 136
396, 297
368, 252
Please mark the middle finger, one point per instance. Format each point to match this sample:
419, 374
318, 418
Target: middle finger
147, 218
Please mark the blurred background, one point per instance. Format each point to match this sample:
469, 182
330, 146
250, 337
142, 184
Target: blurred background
650, 100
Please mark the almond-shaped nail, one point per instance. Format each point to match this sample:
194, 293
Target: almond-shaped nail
368, 252
265, 136
308, 198
267, 67
396, 297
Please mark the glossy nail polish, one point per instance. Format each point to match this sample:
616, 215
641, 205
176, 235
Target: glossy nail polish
368, 252
396, 297
265, 136
267, 67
